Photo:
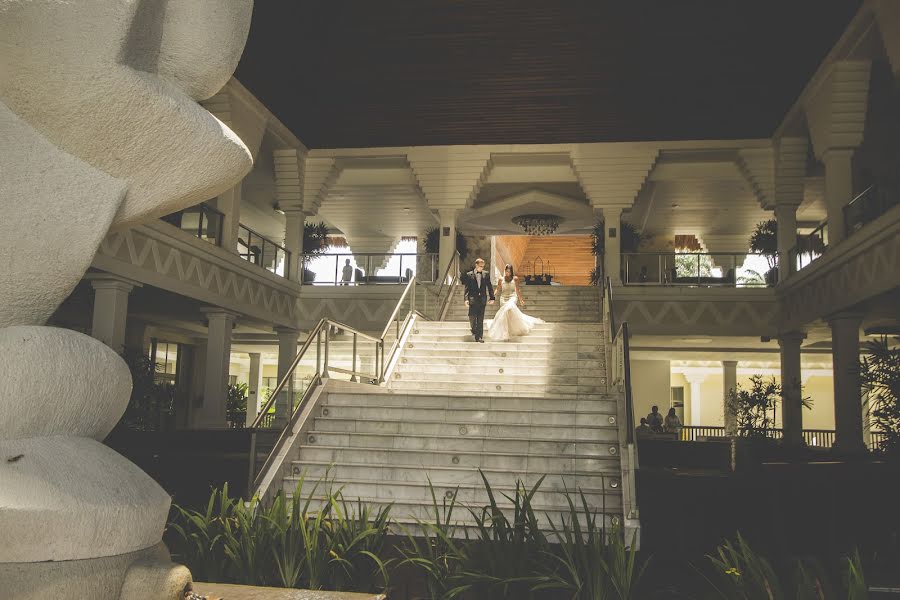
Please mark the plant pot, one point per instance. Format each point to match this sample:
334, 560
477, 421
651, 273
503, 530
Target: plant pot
308, 276
771, 276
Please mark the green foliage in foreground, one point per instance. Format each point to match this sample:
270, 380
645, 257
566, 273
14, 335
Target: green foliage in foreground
293, 542
331, 544
739, 573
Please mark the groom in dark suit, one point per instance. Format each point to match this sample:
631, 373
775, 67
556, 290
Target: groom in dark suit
478, 290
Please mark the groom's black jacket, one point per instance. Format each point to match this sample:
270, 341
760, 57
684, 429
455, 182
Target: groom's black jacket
478, 296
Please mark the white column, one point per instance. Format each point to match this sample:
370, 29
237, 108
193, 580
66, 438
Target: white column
211, 414
791, 387
254, 385
287, 351
229, 203
110, 309
838, 190
786, 216
729, 384
612, 256
294, 221
448, 237
694, 380
847, 396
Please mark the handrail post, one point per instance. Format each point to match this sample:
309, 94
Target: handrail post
327, 338
251, 474
353, 364
319, 352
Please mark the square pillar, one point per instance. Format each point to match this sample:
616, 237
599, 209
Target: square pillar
695, 380
184, 368
229, 204
729, 384
848, 418
110, 308
447, 247
253, 387
612, 248
791, 388
211, 414
838, 190
287, 352
294, 221
786, 216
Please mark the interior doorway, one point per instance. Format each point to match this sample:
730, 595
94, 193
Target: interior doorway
546, 259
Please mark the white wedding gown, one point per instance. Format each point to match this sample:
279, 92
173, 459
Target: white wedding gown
509, 320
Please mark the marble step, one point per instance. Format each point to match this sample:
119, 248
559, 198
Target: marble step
604, 403
484, 352
462, 416
509, 390
534, 345
469, 430
494, 359
452, 476
412, 514
471, 443
504, 368
461, 374
516, 462
474, 493
422, 324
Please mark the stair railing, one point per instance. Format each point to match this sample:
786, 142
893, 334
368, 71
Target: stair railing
316, 354
619, 374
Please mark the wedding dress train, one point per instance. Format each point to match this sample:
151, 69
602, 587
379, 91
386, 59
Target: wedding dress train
509, 320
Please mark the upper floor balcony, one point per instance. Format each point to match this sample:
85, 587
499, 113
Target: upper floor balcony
865, 208
207, 223
699, 269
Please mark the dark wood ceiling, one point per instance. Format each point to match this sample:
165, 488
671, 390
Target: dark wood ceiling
344, 73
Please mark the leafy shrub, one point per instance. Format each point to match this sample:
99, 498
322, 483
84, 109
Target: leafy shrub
292, 542
880, 376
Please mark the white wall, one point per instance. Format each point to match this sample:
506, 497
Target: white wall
650, 383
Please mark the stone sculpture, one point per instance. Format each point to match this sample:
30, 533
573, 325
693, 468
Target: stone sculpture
100, 129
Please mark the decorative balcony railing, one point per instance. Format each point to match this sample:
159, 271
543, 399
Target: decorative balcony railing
868, 206
259, 250
201, 221
368, 269
808, 248
698, 269
817, 438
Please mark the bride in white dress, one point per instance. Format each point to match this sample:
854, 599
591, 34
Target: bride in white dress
509, 320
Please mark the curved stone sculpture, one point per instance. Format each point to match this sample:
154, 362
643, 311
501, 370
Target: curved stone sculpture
101, 129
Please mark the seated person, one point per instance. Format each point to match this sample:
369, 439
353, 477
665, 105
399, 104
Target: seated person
642, 430
655, 420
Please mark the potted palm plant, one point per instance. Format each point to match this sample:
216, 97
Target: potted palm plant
630, 240
764, 240
315, 243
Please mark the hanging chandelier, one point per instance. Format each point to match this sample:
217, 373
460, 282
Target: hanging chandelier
537, 224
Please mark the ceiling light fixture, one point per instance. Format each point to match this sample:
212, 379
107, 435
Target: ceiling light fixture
537, 224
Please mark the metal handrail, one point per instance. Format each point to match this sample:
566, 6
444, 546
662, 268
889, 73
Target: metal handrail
454, 259
409, 286
445, 303
322, 367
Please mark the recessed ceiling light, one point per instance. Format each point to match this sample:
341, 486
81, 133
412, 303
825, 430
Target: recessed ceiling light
674, 206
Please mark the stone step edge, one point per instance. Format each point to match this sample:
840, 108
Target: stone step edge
451, 394
500, 410
462, 508
450, 468
561, 455
452, 424
366, 434
497, 489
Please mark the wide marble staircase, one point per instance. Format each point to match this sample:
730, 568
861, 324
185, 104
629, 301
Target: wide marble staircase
532, 407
